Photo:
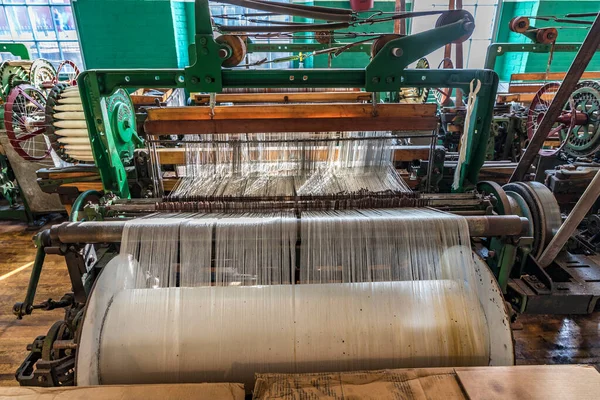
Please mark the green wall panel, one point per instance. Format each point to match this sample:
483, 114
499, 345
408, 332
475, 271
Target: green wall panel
129, 33
523, 62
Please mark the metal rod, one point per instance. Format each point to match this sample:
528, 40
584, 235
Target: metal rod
585, 202
299, 140
580, 63
111, 231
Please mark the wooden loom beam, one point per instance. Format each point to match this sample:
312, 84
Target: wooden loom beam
290, 118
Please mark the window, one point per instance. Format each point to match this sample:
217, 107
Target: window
475, 48
46, 27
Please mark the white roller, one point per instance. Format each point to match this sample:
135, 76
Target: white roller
69, 107
78, 148
72, 132
69, 100
81, 154
74, 92
74, 140
229, 333
71, 124
70, 115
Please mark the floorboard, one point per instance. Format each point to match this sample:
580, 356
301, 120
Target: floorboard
543, 339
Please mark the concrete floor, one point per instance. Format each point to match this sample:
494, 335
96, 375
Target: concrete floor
542, 340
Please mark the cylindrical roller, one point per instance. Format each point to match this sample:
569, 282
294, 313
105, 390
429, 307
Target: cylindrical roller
74, 140
70, 93
69, 100
70, 115
71, 124
72, 132
227, 334
112, 231
69, 107
79, 148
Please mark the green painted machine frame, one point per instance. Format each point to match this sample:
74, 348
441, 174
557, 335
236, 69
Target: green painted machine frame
496, 50
16, 49
385, 73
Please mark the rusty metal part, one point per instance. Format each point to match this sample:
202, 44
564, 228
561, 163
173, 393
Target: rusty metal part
324, 37
546, 35
586, 52
380, 42
238, 49
519, 24
111, 231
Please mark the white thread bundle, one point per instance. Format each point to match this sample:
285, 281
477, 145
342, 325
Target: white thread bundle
215, 297
284, 164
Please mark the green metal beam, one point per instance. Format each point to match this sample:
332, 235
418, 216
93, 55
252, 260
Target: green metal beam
16, 49
496, 50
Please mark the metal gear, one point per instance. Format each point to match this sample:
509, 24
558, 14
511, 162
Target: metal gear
13, 73
584, 138
416, 95
42, 73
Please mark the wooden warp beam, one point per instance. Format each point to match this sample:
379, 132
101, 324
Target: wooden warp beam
290, 118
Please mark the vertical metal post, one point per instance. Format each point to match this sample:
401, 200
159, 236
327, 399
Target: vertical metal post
580, 63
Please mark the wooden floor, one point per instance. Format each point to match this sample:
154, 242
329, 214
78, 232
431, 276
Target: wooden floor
542, 339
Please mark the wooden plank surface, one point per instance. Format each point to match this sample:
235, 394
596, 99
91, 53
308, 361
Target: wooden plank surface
302, 97
292, 111
17, 250
531, 382
401, 153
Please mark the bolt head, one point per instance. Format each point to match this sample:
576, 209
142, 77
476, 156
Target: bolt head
375, 80
397, 52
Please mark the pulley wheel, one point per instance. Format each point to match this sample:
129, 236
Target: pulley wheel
519, 24
546, 35
544, 212
380, 42
238, 49
502, 206
24, 121
324, 37
452, 16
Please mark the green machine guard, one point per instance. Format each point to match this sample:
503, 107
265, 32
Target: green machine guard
385, 73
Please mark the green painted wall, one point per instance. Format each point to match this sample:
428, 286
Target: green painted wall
523, 62
132, 33
157, 33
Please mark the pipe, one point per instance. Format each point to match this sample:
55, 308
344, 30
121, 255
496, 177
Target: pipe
79, 202
111, 231
566, 230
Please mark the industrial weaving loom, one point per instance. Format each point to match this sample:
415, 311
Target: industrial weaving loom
287, 241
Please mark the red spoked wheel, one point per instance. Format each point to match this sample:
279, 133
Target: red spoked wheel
25, 122
564, 124
69, 69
